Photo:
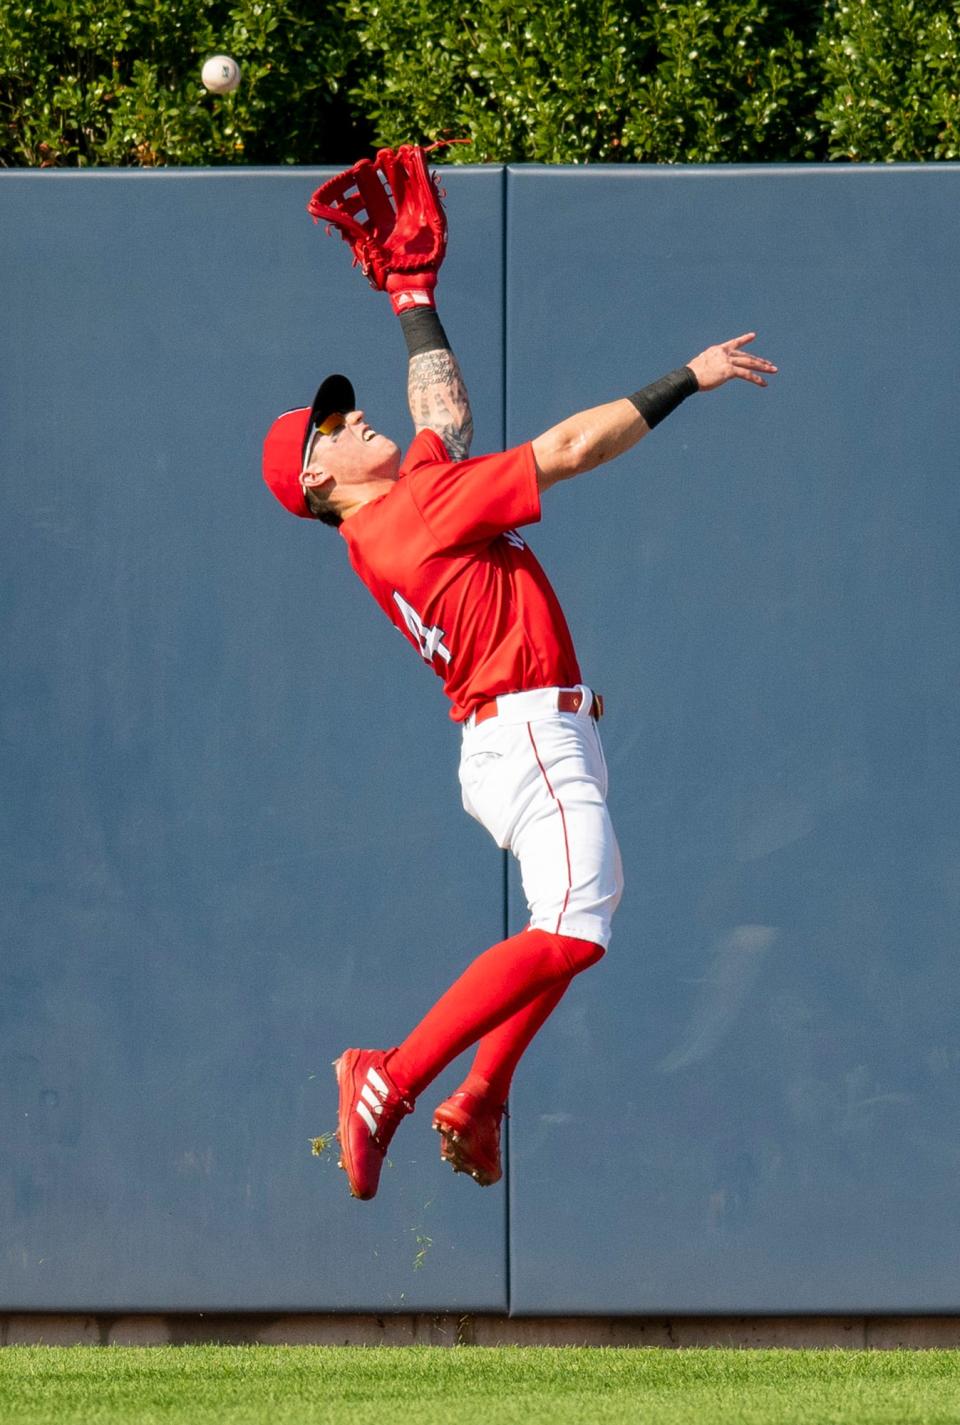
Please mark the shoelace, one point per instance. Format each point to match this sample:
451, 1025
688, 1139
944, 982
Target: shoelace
393, 1110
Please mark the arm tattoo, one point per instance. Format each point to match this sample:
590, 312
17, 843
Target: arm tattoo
438, 400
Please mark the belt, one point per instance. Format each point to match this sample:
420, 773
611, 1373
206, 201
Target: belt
569, 700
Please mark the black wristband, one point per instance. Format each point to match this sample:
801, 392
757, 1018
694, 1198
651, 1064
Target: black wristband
661, 397
423, 331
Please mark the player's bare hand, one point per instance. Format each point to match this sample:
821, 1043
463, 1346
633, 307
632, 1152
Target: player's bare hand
729, 362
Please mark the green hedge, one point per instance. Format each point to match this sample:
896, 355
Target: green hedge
118, 82
576, 81
891, 80
569, 81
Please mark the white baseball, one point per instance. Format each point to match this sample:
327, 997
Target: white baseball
220, 74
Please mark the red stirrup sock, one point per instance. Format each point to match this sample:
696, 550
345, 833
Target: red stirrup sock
500, 1051
499, 982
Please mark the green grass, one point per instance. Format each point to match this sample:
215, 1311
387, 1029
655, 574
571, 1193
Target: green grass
305, 1385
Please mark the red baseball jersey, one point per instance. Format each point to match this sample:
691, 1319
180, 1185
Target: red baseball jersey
441, 555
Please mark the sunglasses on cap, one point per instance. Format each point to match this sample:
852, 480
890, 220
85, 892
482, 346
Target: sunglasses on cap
335, 421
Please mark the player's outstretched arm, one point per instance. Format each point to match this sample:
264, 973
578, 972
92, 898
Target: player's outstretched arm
593, 437
400, 247
436, 390
438, 399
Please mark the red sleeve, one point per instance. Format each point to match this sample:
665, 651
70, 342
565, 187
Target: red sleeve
471, 501
425, 448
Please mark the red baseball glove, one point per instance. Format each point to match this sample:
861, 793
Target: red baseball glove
389, 210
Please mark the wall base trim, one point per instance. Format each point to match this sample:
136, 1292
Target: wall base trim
450, 1329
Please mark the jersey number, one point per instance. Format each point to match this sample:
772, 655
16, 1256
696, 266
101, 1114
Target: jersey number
429, 640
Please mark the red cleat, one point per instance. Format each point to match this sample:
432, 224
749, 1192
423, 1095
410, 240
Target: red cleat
469, 1129
371, 1107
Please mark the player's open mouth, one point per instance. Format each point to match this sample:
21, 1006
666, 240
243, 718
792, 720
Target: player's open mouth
368, 434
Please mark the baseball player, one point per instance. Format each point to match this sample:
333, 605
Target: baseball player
434, 535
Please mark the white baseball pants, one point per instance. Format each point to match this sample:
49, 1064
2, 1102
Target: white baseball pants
536, 778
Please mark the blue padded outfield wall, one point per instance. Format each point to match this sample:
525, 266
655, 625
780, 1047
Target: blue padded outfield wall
231, 837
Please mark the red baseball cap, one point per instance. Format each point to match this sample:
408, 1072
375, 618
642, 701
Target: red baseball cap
288, 440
